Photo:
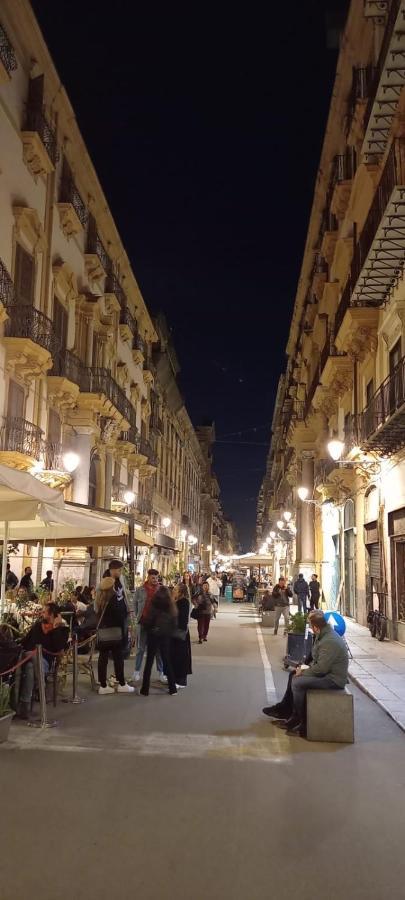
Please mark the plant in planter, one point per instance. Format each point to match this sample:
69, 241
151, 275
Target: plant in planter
6, 713
297, 646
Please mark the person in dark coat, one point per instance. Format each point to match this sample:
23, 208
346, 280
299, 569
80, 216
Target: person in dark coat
112, 613
160, 625
181, 644
314, 591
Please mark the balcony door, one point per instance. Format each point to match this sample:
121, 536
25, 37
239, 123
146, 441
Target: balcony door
396, 392
16, 401
60, 321
24, 276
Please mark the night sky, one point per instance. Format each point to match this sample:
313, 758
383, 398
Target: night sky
205, 126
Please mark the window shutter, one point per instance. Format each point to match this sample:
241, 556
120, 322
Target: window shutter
24, 276
36, 93
16, 401
53, 427
375, 570
60, 321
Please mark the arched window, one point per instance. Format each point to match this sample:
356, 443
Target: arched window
93, 482
349, 514
371, 505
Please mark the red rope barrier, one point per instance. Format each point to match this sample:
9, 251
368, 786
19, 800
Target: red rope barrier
20, 663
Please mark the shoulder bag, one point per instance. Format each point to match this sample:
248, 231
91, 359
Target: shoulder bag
108, 637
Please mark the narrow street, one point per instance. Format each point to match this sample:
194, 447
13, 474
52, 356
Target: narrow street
199, 795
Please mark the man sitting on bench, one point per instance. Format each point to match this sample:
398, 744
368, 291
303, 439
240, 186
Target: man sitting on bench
327, 671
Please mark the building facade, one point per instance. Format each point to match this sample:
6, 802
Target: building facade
345, 373
79, 352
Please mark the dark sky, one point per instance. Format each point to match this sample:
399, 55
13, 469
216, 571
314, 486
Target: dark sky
205, 126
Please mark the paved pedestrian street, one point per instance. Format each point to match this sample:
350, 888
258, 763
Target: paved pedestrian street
199, 795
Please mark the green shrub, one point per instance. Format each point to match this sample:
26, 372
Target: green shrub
297, 623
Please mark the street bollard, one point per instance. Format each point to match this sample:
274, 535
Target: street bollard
75, 674
41, 687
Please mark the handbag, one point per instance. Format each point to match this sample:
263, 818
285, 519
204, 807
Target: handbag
194, 613
108, 637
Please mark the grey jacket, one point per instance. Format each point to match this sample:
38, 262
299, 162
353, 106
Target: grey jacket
329, 657
139, 602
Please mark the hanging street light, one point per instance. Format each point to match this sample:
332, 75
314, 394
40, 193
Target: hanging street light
335, 449
303, 493
129, 497
287, 515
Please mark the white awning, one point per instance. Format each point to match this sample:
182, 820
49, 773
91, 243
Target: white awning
22, 495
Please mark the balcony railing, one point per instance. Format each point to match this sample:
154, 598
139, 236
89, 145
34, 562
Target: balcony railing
7, 55
329, 222
144, 506
393, 175
382, 423
112, 286
36, 121
147, 450
29, 322
6, 287
67, 365
118, 495
362, 87
100, 381
126, 318
52, 456
344, 166
96, 247
139, 344
131, 435
20, 436
70, 194
388, 32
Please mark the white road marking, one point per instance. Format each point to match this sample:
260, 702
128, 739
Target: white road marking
268, 672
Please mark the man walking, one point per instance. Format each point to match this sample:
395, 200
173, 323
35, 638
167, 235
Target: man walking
314, 592
143, 602
281, 593
301, 589
115, 571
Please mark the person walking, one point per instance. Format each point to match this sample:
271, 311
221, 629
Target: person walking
224, 580
314, 592
214, 585
181, 644
282, 594
251, 590
111, 614
143, 602
301, 589
204, 604
159, 623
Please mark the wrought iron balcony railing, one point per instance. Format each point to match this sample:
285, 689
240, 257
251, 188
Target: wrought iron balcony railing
67, 365
95, 245
20, 436
100, 381
388, 32
382, 423
7, 297
7, 55
144, 506
112, 286
344, 166
139, 344
131, 435
29, 322
363, 81
119, 493
126, 318
52, 456
36, 121
70, 194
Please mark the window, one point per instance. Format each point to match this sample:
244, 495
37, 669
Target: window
24, 276
395, 356
16, 401
93, 482
60, 321
54, 428
369, 391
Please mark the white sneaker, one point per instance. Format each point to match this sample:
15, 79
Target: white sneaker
125, 689
106, 690
163, 678
180, 687
137, 676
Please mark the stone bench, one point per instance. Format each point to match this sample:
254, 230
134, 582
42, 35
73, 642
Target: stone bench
268, 618
330, 716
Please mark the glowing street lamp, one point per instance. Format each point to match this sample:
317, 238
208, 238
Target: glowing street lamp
70, 461
287, 515
183, 534
335, 449
303, 493
209, 548
129, 497
272, 534
166, 522
280, 524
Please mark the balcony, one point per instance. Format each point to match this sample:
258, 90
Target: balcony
118, 501
98, 263
128, 444
112, 286
30, 340
128, 327
379, 255
138, 350
144, 506
20, 443
382, 423
8, 62
7, 297
362, 89
110, 396
147, 451
40, 149
387, 83
72, 210
343, 171
64, 378
329, 235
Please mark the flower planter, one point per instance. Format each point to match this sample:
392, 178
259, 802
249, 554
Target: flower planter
5, 722
298, 647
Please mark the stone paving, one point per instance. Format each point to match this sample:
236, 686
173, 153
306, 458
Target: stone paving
378, 668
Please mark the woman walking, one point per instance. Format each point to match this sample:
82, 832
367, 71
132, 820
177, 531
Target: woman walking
205, 605
181, 644
160, 625
110, 614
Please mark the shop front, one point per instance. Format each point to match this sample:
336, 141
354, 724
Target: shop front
165, 554
396, 532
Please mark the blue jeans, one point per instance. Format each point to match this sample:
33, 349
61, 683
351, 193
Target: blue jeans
141, 644
303, 683
302, 604
28, 678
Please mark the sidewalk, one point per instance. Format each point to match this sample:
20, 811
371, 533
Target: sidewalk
378, 669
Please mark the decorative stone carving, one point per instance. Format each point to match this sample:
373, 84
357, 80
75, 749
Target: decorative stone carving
28, 226
135, 394
34, 155
145, 410
108, 430
69, 220
122, 374
65, 280
62, 392
94, 269
26, 359
357, 334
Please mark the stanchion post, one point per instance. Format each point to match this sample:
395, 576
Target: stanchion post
41, 687
75, 696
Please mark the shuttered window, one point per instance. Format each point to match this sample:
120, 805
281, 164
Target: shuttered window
16, 401
53, 427
24, 276
60, 321
375, 568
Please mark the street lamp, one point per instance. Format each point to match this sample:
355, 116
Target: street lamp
71, 461
280, 524
209, 548
287, 515
272, 534
335, 449
183, 534
129, 497
303, 493
166, 522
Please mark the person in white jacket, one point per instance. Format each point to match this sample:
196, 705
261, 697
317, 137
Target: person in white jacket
214, 586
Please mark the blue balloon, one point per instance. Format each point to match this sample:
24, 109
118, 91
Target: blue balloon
336, 621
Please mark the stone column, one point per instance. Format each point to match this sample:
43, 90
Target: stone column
306, 542
89, 343
82, 446
108, 478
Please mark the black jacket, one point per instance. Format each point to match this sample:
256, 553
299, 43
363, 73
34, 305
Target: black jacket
115, 614
55, 641
282, 597
314, 590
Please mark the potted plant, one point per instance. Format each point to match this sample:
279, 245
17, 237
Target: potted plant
6, 713
297, 646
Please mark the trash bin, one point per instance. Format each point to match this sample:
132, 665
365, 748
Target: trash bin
228, 593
